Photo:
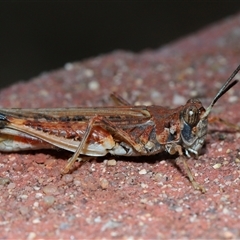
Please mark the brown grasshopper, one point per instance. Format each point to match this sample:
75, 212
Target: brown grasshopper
124, 130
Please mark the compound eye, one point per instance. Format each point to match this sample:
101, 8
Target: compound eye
191, 115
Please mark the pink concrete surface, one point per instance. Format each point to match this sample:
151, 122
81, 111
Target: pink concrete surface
132, 198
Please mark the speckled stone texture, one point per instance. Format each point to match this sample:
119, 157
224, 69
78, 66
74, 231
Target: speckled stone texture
131, 197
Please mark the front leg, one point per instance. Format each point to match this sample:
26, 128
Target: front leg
232, 126
175, 148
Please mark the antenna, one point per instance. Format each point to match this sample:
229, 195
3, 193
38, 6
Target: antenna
227, 85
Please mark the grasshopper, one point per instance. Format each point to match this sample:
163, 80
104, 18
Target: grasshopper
124, 130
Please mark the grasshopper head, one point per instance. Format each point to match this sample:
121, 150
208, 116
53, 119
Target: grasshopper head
194, 126
194, 118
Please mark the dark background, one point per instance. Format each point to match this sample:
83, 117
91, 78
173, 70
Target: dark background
37, 36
